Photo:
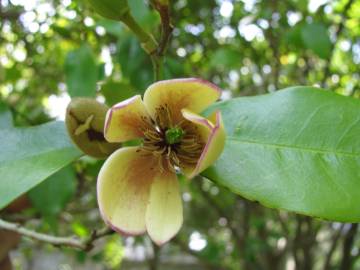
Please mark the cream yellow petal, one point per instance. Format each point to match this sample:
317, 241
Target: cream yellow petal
125, 120
164, 214
123, 189
193, 94
204, 126
213, 133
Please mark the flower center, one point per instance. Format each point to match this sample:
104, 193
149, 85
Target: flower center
174, 135
178, 146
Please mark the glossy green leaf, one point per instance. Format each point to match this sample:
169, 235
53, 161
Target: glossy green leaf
30, 155
297, 149
51, 196
135, 63
316, 38
146, 17
81, 72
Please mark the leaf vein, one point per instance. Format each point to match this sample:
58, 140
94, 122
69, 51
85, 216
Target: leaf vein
299, 148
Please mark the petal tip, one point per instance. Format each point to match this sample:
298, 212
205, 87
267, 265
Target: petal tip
161, 242
105, 214
123, 232
187, 114
217, 130
116, 228
164, 214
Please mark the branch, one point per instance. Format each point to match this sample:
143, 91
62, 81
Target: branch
12, 14
347, 261
338, 32
166, 28
157, 58
309, 243
74, 242
296, 242
154, 261
334, 242
274, 46
283, 224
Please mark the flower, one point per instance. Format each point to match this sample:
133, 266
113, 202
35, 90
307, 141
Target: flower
137, 187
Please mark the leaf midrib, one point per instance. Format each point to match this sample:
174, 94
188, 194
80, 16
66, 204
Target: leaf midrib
295, 147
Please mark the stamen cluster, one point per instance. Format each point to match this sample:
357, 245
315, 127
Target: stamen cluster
183, 152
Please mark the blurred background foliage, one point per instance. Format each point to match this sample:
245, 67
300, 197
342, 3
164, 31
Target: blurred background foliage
53, 50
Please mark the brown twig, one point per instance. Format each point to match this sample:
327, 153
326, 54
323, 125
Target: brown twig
157, 57
154, 261
9, 14
334, 242
347, 260
274, 46
166, 27
71, 241
296, 242
283, 224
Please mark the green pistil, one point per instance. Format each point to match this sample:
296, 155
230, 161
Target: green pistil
174, 135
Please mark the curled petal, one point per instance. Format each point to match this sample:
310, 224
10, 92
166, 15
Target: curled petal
213, 132
204, 126
123, 188
125, 120
193, 94
164, 214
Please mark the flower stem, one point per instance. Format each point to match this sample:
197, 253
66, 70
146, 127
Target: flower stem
158, 64
162, 6
149, 44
